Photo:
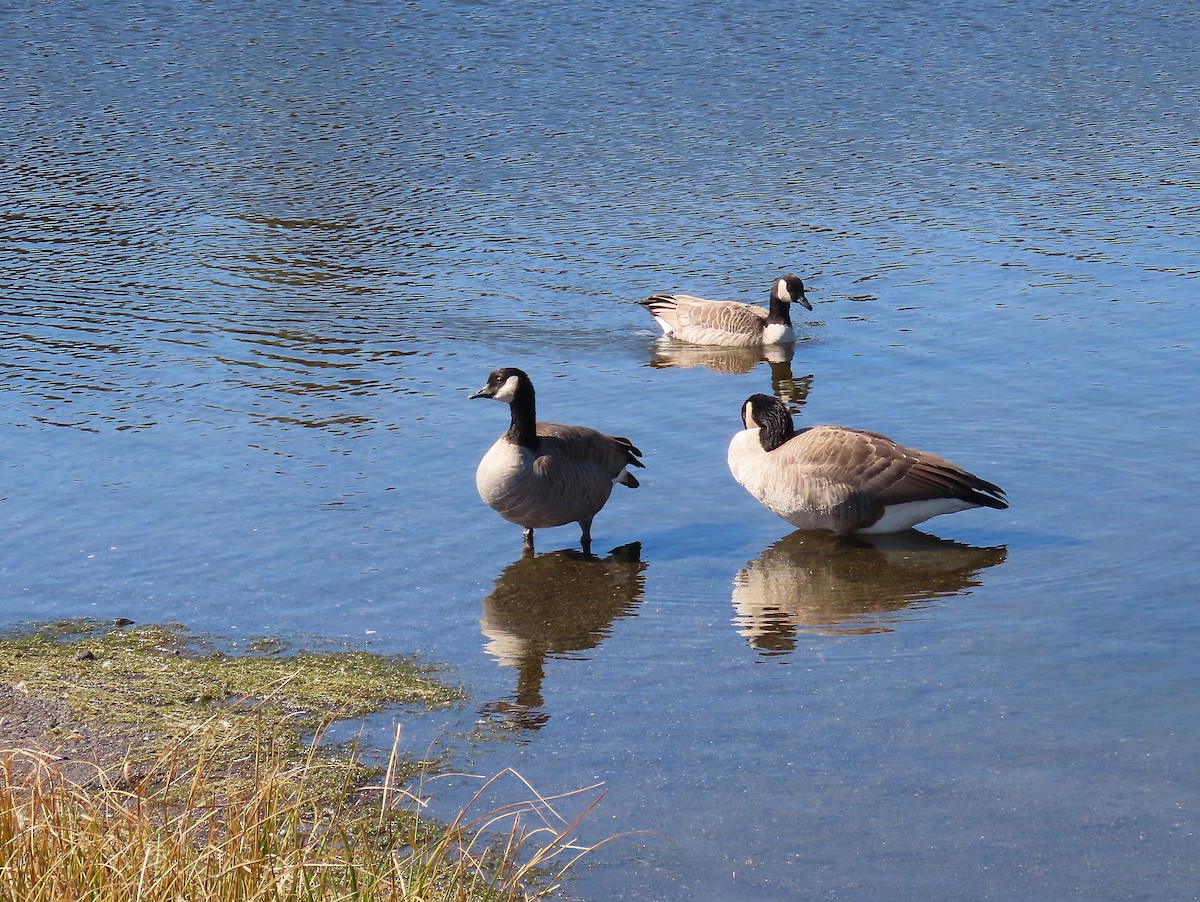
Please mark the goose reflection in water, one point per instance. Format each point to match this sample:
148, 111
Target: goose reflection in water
554, 605
668, 352
818, 583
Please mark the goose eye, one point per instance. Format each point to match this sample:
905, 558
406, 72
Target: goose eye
507, 390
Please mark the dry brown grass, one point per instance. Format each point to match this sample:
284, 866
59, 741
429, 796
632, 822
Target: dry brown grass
201, 786
191, 830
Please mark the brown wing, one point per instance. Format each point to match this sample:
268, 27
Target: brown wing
722, 316
874, 465
707, 322
583, 447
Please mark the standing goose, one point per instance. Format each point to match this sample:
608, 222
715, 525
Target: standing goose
546, 474
846, 480
730, 323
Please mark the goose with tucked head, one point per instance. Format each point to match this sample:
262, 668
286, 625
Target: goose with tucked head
539, 475
730, 323
846, 480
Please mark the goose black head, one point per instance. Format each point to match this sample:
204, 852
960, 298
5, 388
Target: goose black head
789, 289
771, 418
505, 384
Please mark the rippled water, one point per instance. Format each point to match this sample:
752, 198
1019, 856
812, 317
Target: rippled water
255, 258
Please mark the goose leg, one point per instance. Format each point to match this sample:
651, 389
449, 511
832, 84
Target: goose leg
586, 539
528, 539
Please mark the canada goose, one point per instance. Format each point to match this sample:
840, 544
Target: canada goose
545, 474
846, 480
730, 323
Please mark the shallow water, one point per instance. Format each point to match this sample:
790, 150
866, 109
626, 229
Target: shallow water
254, 261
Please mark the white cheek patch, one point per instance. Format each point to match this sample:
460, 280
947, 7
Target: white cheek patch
507, 391
748, 416
781, 290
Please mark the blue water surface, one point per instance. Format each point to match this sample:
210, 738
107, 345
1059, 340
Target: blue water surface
256, 256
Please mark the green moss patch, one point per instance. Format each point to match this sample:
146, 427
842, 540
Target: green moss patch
168, 686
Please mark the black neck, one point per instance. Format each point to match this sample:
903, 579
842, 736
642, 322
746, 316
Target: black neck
523, 429
779, 312
775, 427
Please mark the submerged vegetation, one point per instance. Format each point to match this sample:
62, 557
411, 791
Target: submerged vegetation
164, 689
224, 790
135, 674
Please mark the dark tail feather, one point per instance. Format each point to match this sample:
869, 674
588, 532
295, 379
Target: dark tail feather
990, 495
632, 452
984, 493
969, 487
659, 301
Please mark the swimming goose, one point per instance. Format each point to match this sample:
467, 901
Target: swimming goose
846, 480
545, 474
730, 323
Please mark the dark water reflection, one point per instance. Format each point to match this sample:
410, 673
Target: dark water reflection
817, 583
668, 353
555, 605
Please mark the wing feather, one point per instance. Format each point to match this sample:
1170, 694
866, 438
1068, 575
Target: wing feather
887, 471
582, 446
708, 322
